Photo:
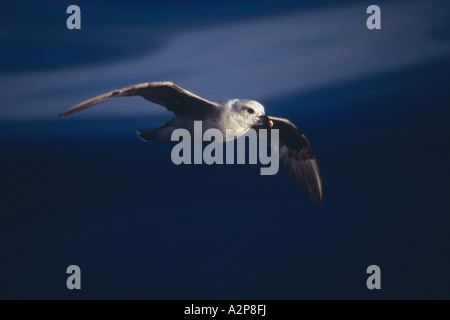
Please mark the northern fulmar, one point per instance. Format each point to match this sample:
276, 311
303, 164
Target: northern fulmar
238, 114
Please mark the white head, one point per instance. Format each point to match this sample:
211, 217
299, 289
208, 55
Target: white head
249, 113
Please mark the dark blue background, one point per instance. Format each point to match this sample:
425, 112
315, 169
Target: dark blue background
88, 192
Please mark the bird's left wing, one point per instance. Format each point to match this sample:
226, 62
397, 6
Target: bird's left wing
297, 156
167, 94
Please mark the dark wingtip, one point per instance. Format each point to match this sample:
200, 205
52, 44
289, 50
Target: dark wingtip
311, 179
65, 113
317, 192
318, 197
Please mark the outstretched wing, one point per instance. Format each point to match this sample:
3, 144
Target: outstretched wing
167, 94
297, 156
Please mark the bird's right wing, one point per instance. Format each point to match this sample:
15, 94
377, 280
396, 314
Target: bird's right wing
167, 94
297, 156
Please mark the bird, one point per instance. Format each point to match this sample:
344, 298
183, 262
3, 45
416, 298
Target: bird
295, 151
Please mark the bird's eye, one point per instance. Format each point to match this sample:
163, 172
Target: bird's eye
250, 110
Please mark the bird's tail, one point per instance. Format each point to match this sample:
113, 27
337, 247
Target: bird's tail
148, 134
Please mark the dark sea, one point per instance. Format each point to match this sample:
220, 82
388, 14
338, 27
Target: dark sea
84, 190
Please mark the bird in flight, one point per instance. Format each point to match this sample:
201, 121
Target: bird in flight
295, 152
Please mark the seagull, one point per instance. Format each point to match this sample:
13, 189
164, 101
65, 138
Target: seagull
241, 115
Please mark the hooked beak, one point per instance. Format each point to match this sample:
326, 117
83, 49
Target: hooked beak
265, 121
